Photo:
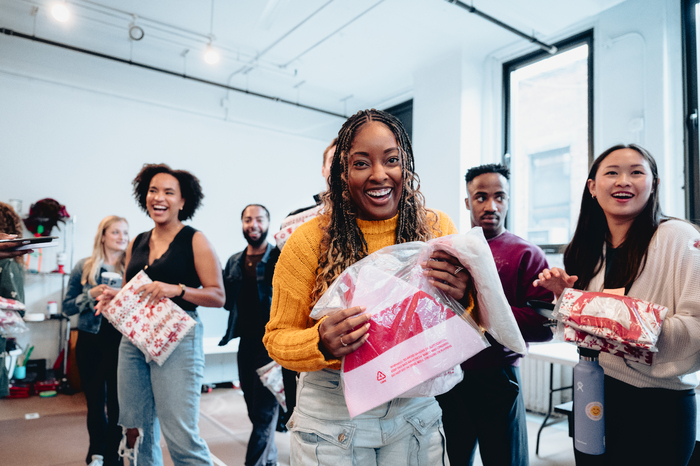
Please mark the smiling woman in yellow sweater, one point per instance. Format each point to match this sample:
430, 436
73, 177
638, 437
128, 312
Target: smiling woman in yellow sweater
373, 201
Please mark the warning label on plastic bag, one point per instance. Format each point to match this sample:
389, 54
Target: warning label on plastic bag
420, 356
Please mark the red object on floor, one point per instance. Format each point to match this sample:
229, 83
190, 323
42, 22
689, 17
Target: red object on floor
45, 385
19, 390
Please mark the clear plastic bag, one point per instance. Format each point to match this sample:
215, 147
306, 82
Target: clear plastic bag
271, 376
417, 332
11, 323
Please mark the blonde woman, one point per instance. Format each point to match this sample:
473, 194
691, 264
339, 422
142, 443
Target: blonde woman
97, 349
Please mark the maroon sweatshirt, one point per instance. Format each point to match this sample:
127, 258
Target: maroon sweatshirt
518, 262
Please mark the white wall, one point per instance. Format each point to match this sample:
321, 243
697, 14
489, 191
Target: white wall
437, 132
63, 135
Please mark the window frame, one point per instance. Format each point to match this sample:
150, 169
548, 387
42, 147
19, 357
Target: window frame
585, 37
691, 108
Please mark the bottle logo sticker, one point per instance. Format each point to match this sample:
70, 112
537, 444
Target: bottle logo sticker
381, 378
594, 410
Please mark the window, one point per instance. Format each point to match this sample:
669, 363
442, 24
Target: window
548, 139
404, 112
691, 39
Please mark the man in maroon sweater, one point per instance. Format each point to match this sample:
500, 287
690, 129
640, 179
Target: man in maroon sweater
487, 406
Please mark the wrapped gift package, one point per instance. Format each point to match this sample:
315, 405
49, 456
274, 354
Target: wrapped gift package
611, 323
623, 350
11, 304
155, 330
292, 222
11, 323
417, 333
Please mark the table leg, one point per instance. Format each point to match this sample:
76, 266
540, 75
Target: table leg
549, 408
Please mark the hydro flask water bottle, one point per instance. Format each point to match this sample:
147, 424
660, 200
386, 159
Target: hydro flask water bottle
589, 412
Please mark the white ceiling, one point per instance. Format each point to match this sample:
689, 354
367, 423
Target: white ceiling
336, 55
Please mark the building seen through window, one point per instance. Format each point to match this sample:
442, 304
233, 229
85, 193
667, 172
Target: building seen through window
548, 138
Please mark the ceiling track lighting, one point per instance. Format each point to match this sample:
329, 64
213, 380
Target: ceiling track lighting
60, 12
211, 56
12, 33
546, 47
135, 32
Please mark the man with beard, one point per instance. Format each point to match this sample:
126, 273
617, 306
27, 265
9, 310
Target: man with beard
487, 406
248, 284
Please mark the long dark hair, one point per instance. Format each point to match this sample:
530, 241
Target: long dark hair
584, 255
343, 243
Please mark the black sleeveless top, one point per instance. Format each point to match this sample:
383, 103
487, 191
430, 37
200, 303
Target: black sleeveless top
175, 266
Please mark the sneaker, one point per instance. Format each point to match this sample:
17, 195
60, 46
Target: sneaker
97, 460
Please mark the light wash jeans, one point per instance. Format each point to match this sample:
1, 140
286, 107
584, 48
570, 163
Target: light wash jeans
149, 393
403, 432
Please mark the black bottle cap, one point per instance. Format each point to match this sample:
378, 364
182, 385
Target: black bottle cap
588, 352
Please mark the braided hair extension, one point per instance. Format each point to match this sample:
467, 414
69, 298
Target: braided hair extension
343, 243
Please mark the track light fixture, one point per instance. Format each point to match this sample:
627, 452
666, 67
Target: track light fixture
211, 56
135, 32
60, 12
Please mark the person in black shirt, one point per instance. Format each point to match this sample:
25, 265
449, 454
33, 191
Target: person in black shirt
248, 284
184, 268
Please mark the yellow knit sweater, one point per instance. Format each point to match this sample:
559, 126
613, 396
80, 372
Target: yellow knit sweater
291, 336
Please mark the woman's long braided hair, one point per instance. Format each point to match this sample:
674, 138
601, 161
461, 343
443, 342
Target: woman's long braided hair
343, 243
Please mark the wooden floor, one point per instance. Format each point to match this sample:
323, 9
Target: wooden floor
51, 432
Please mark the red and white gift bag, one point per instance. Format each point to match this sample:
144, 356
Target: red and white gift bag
156, 330
410, 341
418, 335
619, 325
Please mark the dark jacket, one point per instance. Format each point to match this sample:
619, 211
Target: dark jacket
79, 301
233, 278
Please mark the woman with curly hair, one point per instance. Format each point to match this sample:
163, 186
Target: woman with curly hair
11, 277
11, 269
373, 201
184, 268
97, 349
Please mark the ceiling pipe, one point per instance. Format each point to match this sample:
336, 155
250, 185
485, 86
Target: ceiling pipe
546, 47
10, 32
289, 62
168, 29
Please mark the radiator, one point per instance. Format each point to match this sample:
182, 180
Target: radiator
535, 380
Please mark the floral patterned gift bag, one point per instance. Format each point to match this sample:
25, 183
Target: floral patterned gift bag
155, 330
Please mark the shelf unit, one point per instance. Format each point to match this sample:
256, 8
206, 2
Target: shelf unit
67, 232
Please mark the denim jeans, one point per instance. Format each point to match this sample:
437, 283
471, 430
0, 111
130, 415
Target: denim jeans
166, 398
261, 403
402, 432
